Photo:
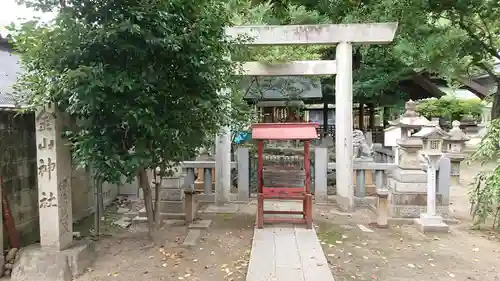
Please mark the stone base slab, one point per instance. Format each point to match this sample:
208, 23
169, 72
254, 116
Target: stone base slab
37, 263
201, 224
192, 238
410, 221
428, 223
409, 176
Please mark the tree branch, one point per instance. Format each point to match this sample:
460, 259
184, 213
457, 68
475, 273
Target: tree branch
487, 31
488, 70
487, 48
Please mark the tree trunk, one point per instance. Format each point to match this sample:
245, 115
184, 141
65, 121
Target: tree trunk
371, 107
142, 176
361, 117
325, 117
157, 211
495, 109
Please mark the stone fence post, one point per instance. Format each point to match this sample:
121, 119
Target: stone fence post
320, 174
444, 182
243, 174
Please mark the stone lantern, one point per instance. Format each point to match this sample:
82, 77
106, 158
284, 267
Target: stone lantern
408, 183
433, 139
408, 146
454, 147
469, 124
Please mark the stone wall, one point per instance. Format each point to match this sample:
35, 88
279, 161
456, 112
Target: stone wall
18, 168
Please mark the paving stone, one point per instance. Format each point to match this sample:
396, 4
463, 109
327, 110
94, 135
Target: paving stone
201, 224
174, 222
314, 264
123, 210
364, 228
289, 274
139, 220
287, 254
131, 214
261, 266
124, 222
192, 237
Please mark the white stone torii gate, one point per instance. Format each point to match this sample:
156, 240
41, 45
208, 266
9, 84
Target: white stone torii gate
342, 35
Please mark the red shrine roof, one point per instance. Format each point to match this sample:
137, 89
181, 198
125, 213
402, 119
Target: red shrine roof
284, 131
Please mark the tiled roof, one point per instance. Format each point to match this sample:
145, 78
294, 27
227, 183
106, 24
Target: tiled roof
9, 71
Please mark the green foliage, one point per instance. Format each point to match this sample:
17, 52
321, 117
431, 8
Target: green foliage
142, 77
449, 39
242, 113
485, 190
247, 13
449, 108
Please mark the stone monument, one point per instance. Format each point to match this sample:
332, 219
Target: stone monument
57, 257
454, 150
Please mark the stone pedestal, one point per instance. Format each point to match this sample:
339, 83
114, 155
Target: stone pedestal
190, 206
408, 184
382, 210
42, 263
431, 223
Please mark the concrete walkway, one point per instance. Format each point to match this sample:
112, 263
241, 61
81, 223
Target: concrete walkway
286, 252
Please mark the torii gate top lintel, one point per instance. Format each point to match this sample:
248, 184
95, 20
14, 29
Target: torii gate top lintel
319, 34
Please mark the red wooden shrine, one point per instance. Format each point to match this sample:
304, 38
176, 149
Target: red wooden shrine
304, 132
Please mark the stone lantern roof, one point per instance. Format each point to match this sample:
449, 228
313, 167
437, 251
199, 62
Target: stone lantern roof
410, 117
456, 134
431, 130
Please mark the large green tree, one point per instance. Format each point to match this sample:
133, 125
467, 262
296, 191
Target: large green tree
448, 39
142, 76
479, 22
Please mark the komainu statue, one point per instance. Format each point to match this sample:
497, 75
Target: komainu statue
361, 149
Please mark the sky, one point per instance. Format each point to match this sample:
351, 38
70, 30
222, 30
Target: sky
11, 12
